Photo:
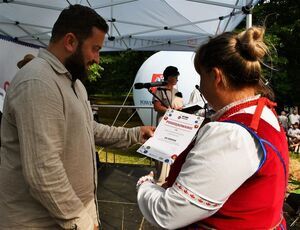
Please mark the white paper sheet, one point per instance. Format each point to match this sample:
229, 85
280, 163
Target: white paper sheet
174, 133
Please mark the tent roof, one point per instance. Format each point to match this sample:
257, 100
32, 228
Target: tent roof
134, 24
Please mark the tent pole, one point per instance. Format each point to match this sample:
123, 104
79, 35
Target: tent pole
249, 8
249, 21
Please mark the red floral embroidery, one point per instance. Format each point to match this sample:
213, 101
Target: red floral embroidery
193, 196
174, 156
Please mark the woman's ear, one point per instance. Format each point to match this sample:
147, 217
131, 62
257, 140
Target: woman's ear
216, 74
70, 42
219, 79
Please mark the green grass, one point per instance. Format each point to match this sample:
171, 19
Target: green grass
107, 116
126, 156
294, 155
110, 100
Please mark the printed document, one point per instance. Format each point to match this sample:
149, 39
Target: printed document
174, 133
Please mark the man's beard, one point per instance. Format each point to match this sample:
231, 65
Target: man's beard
75, 65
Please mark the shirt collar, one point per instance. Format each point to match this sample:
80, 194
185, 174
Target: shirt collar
220, 112
54, 62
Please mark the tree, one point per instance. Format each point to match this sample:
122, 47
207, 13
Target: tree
119, 72
282, 21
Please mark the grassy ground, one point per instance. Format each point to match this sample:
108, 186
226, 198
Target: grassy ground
126, 156
294, 171
107, 116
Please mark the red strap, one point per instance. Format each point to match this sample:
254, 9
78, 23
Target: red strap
259, 108
256, 116
261, 102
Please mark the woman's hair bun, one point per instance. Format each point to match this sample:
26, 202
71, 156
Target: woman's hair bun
250, 44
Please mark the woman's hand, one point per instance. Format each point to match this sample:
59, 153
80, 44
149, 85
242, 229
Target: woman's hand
147, 178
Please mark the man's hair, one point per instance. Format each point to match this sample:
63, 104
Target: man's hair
170, 71
79, 20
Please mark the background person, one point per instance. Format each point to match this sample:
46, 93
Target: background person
236, 174
167, 93
195, 96
27, 58
177, 102
294, 137
283, 120
168, 99
294, 117
48, 172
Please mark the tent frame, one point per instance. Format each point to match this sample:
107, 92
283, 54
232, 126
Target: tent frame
114, 37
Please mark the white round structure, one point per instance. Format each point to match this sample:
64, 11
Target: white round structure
152, 70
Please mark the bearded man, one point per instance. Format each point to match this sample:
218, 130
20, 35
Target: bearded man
48, 170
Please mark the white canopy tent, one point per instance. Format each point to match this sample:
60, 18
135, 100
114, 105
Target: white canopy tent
10, 54
156, 25
134, 24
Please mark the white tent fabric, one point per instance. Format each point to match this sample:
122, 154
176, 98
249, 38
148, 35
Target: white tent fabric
134, 24
11, 53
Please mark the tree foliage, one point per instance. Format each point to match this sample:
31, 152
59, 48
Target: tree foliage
120, 69
95, 72
282, 21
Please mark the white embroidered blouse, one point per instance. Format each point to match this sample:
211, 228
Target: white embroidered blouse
224, 157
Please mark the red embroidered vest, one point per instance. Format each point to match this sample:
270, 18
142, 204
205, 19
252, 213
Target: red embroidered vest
256, 204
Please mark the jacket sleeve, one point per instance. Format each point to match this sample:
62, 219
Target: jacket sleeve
37, 111
115, 137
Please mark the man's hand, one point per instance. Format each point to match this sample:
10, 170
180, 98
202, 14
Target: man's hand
96, 227
146, 132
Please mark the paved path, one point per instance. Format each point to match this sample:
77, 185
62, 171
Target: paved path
117, 198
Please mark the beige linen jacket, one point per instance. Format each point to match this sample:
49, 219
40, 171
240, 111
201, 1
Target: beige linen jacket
48, 171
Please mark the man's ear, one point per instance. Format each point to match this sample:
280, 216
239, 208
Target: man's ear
70, 42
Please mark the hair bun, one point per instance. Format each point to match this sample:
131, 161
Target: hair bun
251, 45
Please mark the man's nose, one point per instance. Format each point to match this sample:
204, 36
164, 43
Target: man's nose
97, 58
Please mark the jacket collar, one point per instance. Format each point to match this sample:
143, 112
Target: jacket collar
54, 62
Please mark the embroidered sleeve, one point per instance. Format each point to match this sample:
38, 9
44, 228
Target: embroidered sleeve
196, 199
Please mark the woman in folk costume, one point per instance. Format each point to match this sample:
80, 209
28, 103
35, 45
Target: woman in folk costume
235, 174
